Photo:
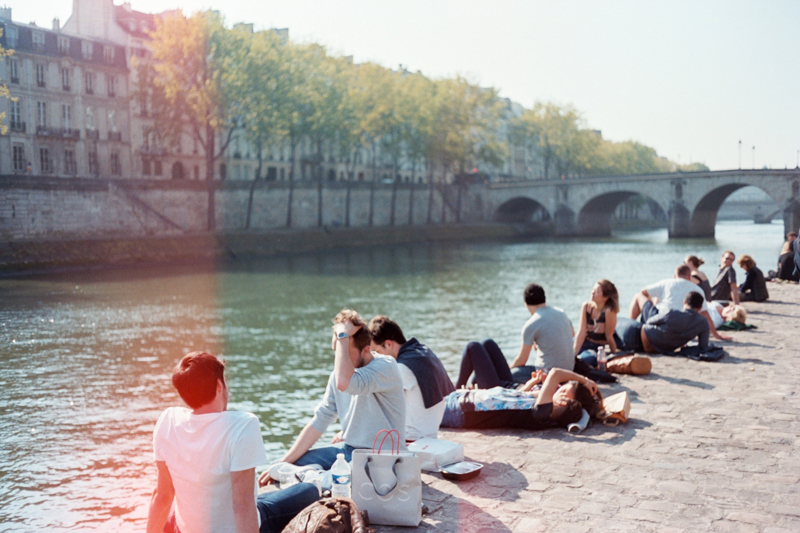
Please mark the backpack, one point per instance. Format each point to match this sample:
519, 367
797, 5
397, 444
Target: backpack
329, 515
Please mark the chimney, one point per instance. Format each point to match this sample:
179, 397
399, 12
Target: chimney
56, 24
5, 13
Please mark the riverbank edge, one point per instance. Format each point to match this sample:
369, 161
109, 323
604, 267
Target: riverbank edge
22, 257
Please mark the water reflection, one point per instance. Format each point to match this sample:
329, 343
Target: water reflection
87, 356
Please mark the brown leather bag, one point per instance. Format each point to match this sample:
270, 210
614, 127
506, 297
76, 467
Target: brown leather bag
329, 515
639, 365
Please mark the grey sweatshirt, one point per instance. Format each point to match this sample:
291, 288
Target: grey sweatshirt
373, 401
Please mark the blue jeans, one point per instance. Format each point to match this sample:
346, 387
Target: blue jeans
489, 364
326, 456
279, 507
630, 333
276, 509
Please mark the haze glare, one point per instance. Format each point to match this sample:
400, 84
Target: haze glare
689, 79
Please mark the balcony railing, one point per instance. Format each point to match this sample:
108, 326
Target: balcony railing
64, 133
152, 150
93, 135
15, 80
89, 90
17, 126
114, 135
66, 88
41, 83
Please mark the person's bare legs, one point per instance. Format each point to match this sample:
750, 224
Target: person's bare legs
636, 305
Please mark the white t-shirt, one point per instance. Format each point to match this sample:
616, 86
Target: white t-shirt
714, 311
671, 293
420, 422
201, 451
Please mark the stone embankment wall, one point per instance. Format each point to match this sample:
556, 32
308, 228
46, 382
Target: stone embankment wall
52, 221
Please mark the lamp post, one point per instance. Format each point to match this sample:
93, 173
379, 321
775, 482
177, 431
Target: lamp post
740, 154
754, 157
798, 159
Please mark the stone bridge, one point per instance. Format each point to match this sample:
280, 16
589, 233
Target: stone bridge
585, 206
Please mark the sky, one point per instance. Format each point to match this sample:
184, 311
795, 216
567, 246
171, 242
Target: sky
689, 78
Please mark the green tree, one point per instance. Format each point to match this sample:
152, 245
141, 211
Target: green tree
188, 84
4, 92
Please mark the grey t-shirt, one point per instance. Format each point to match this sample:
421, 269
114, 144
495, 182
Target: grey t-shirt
374, 400
551, 330
721, 286
670, 330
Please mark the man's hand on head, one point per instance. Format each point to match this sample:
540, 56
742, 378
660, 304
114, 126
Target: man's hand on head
345, 327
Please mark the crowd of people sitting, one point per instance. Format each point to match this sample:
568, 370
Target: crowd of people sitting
206, 456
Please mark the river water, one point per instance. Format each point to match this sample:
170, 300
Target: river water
86, 357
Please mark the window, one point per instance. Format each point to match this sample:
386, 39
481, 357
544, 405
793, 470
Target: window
111, 81
63, 46
11, 36
158, 170
87, 50
66, 116
41, 114
94, 167
70, 167
116, 169
146, 167
66, 77
18, 153
38, 41
223, 171
108, 54
196, 172
16, 115
13, 68
194, 145
45, 163
41, 75
88, 82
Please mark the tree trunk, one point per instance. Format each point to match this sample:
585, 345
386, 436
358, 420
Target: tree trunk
372, 187
429, 219
212, 208
394, 192
253, 189
293, 143
411, 194
320, 177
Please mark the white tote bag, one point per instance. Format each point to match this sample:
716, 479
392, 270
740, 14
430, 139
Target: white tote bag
388, 485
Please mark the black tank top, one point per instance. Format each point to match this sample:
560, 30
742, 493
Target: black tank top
591, 327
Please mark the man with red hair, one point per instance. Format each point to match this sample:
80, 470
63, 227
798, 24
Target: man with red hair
207, 457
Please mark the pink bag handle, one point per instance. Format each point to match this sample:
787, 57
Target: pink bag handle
387, 433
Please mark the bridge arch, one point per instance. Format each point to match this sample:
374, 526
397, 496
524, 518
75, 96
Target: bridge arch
521, 210
594, 218
704, 215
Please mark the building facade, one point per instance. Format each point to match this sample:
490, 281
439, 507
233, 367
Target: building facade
75, 111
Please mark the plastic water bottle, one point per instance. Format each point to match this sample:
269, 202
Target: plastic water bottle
340, 472
601, 358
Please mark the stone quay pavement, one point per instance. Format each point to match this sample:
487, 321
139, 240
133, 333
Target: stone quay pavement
708, 447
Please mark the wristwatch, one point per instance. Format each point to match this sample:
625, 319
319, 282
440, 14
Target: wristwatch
342, 335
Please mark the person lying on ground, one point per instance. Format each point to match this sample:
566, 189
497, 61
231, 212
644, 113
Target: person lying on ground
724, 286
365, 391
670, 294
206, 458
425, 381
754, 288
697, 277
668, 330
598, 319
555, 406
550, 330
720, 313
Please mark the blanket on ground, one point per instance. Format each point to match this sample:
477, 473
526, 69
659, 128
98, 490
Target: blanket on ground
730, 325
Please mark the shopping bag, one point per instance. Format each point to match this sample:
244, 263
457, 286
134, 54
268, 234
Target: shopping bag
387, 484
616, 409
436, 453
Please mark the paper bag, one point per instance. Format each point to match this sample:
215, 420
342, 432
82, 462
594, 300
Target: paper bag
387, 484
